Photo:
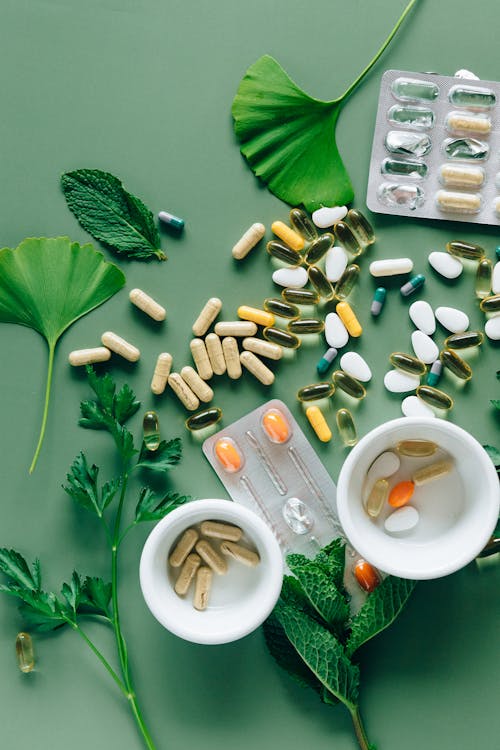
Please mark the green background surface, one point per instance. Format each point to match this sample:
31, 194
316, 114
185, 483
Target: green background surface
143, 89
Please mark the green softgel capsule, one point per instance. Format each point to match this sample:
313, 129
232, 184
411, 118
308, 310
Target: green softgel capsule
280, 337
320, 282
151, 430
347, 238
306, 325
361, 227
302, 224
491, 304
300, 296
346, 427
347, 281
464, 340
455, 364
316, 391
407, 363
284, 253
319, 248
348, 384
434, 397
202, 419
482, 282
281, 308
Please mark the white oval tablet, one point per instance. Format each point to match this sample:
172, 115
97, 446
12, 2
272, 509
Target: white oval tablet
327, 216
353, 364
452, 319
413, 406
424, 347
295, 278
335, 331
446, 265
495, 279
383, 467
403, 519
422, 315
335, 263
391, 266
492, 328
396, 381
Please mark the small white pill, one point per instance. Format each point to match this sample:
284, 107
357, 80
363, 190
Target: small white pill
353, 364
293, 278
335, 263
403, 519
120, 346
335, 331
89, 356
391, 266
424, 347
422, 316
383, 467
452, 319
495, 279
396, 381
412, 406
327, 216
492, 328
445, 264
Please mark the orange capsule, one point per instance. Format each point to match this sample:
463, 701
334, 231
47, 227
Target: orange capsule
276, 426
228, 454
366, 575
401, 494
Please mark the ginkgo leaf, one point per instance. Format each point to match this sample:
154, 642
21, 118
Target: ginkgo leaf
46, 285
288, 137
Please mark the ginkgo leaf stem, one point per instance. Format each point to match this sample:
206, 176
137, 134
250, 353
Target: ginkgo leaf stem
50, 368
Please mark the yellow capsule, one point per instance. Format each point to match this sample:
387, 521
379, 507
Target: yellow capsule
89, 356
161, 373
202, 588
347, 238
188, 572
319, 248
231, 357
315, 391
151, 430
347, 281
348, 384
303, 224
407, 363
490, 304
204, 418
276, 426
467, 250
434, 397
281, 338
228, 455
289, 236
284, 253
183, 548
320, 282
147, 304
235, 328
416, 448
197, 385
482, 284
281, 308
120, 346
253, 314
306, 325
183, 391
263, 348
300, 296
247, 242
215, 354
377, 498
318, 423
25, 653
349, 319
361, 227
201, 358
346, 427
432, 472
258, 369
464, 340
210, 310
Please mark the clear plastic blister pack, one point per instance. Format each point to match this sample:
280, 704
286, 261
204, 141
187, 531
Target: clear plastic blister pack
436, 148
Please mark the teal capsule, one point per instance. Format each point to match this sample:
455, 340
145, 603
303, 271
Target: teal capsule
302, 224
319, 247
348, 384
346, 426
306, 325
412, 285
347, 281
326, 361
151, 430
347, 238
203, 419
361, 227
434, 374
497, 252
282, 309
172, 221
284, 253
378, 301
316, 391
320, 282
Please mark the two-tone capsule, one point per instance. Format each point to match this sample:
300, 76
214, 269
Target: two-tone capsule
326, 360
378, 301
412, 285
434, 374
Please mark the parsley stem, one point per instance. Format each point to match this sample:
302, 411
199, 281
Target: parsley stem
100, 656
52, 348
359, 729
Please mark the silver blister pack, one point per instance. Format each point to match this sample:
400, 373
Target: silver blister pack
436, 148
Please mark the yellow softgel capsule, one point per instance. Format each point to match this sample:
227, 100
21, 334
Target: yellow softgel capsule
349, 319
319, 424
416, 448
25, 653
288, 235
276, 426
253, 314
377, 497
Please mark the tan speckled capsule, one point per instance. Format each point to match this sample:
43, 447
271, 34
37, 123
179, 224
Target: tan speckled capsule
161, 373
236, 328
215, 353
188, 572
432, 472
264, 348
120, 346
207, 316
201, 358
211, 557
258, 369
197, 385
183, 547
183, 391
89, 356
147, 304
218, 530
248, 241
202, 588
231, 357
240, 554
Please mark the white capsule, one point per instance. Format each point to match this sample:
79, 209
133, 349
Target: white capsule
328, 216
335, 331
391, 266
89, 356
452, 319
147, 304
422, 316
397, 381
412, 406
120, 346
293, 278
251, 237
383, 467
161, 373
197, 385
335, 263
495, 279
445, 264
207, 316
353, 364
492, 328
460, 203
424, 347
403, 519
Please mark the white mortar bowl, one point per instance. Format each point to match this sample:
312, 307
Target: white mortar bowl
457, 515
239, 602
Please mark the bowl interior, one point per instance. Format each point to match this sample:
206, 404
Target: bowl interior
457, 512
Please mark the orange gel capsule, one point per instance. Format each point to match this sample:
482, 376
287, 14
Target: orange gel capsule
276, 426
401, 494
228, 455
366, 576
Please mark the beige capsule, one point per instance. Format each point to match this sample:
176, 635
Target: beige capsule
236, 328
258, 369
89, 356
248, 241
240, 554
183, 391
231, 357
201, 358
432, 472
219, 530
197, 385
188, 572
215, 353
207, 316
120, 346
212, 558
416, 448
264, 348
202, 588
147, 304
183, 547
161, 373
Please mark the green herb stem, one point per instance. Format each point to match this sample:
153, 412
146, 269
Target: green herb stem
52, 348
101, 657
359, 729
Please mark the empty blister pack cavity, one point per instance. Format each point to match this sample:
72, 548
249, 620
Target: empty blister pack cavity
266, 463
436, 148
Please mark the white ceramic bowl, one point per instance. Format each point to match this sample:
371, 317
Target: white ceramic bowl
240, 600
458, 512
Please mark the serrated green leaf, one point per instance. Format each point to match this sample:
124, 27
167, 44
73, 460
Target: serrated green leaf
112, 215
332, 559
82, 486
380, 609
42, 612
125, 404
46, 285
14, 566
496, 403
95, 597
328, 601
150, 508
71, 591
493, 453
167, 455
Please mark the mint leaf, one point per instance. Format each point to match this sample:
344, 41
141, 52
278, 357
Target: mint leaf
14, 566
493, 453
167, 455
112, 215
380, 609
95, 597
82, 486
321, 592
332, 559
149, 508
